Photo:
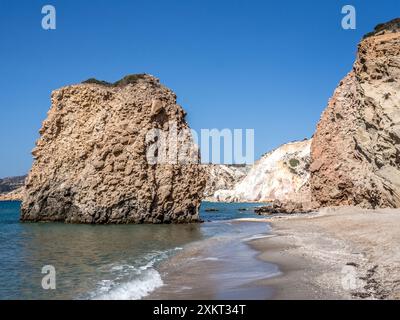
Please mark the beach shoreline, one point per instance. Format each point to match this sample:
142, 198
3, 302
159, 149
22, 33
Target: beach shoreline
335, 253
223, 267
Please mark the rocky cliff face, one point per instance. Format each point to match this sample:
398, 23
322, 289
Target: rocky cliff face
11, 183
281, 174
223, 177
94, 161
356, 147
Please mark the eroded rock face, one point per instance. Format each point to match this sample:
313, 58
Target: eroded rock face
281, 174
356, 147
223, 177
92, 159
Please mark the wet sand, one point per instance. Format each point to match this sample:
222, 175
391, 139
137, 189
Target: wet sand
337, 253
222, 267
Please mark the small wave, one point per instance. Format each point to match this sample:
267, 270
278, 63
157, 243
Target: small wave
184, 288
143, 278
260, 219
204, 258
121, 267
135, 289
210, 259
256, 236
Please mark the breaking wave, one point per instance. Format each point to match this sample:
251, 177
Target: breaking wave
133, 290
131, 282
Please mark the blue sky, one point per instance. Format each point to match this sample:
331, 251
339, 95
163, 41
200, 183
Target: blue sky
267, 65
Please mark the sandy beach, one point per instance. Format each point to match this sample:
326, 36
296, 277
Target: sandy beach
337, 253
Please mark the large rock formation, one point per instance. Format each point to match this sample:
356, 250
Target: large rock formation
100, 158
356, 147
281, 174
223, 177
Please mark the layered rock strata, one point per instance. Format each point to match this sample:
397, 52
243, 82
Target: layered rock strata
356, 148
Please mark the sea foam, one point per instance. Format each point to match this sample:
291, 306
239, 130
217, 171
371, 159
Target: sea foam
146, 279
136, 289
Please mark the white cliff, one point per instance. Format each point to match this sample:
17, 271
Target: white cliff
223, 177
282, 174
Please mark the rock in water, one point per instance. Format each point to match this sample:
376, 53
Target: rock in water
287, 207
94, 161
356, 147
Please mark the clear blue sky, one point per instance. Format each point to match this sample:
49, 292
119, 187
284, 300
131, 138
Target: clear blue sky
267, 65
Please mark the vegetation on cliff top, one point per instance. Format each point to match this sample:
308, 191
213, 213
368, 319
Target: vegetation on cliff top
129, 79
389, 26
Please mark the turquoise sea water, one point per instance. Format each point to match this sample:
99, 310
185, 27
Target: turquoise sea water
96, 261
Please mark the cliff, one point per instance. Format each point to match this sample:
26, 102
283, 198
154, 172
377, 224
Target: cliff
223, 177
356, 147
281, 174
100, 158
15, 195
11, 183
11, 188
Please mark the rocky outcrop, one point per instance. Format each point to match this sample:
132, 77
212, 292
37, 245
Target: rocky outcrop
223, 177
103, 158
287, 207
356, 148
281, 174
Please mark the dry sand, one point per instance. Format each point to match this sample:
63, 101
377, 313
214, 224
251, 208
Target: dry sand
337, 253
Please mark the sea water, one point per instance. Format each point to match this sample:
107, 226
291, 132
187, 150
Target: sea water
101, 261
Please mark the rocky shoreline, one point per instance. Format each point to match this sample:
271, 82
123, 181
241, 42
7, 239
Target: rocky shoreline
287, 207
106, 177
326, 242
